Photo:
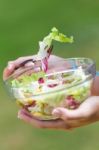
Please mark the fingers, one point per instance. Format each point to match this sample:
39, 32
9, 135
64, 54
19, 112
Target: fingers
20, 60
12, 65
86, 111
16, 63
66, 114
54, 124
95, 87
74, 118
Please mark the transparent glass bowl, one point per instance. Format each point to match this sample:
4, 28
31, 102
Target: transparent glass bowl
67, 87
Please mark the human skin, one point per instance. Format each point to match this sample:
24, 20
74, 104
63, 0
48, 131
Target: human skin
86, 113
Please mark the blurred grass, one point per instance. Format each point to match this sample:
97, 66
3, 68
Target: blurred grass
22, 25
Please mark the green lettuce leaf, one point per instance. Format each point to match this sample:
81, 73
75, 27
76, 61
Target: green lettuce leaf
25, 79
55, 35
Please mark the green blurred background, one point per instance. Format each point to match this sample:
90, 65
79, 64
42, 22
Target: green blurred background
22, 24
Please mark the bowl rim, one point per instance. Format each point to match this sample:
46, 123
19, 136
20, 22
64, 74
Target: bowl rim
92, 62
88, 78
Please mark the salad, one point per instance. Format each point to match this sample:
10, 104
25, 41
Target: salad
40, 93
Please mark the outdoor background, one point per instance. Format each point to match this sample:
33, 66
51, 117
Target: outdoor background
22, 24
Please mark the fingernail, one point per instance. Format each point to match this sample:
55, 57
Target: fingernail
10, 66
56, 113
19, 115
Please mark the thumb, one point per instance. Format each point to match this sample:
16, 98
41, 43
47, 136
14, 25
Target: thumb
66, 114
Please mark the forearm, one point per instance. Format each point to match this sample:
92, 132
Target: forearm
95, 86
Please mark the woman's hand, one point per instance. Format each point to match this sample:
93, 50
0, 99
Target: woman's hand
87, 113
53, 64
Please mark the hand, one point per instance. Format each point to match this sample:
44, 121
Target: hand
53, 61
87, 113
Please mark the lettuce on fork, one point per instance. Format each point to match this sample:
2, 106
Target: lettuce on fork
47, 41
43, 53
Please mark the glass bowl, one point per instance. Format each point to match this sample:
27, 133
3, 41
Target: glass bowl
40, 93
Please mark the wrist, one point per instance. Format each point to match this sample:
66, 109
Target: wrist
95, 86
97, 73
